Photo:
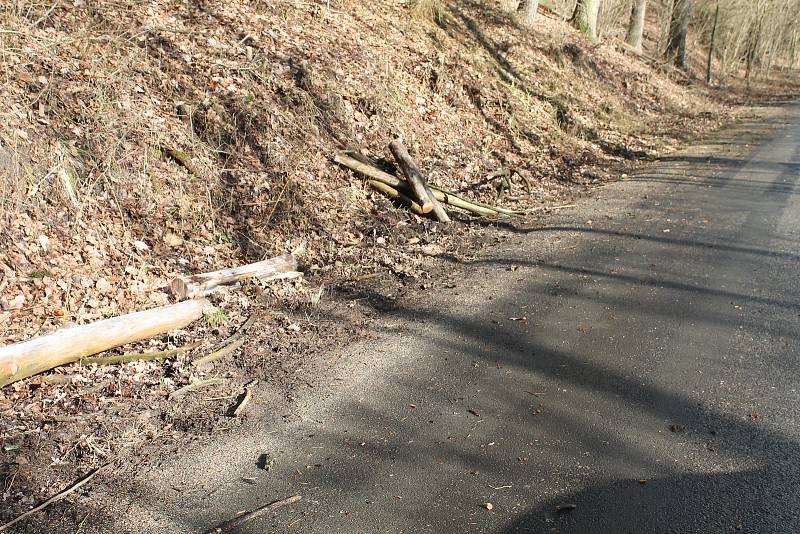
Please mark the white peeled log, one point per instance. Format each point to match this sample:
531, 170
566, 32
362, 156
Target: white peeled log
68, 345
200, 285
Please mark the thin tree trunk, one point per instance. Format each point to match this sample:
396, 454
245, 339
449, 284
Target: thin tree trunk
636, 25
678, 28
754, 41
585, 17
527, 9
711, 45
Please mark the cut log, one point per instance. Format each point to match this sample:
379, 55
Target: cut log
354, 164
201, 285
413, 176
68, 345
393, 193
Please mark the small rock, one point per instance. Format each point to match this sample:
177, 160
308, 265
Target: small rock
103, 285
488, 506
15, 304
45, 242
172, 240
432, 250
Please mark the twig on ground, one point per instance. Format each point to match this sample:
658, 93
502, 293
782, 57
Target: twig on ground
140, 356
229, 345
249, 516
540, 208
245, 399
194, 386
55, 498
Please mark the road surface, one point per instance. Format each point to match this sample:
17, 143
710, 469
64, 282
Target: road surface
628, 365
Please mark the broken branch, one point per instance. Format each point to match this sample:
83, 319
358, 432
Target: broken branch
195, 386
139, 356
393, 193
244, 399
412, 174
201, 285
402, 186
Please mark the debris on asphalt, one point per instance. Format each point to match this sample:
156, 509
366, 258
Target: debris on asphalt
266, 461
249, 516
244, 399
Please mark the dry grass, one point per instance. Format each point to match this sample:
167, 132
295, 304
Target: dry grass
430, 10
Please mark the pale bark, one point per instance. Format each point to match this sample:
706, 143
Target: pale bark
402, 187
412, 174
636, 25
527, 10
68, 345
200, 285
585, 17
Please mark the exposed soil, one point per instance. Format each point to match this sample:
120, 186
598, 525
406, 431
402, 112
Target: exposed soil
99, 211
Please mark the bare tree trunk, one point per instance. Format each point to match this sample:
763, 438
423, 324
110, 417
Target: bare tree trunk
636, 25
711, 45
585, 17
527, 8
678, 28
753, 43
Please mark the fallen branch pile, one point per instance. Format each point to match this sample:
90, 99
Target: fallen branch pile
414, 192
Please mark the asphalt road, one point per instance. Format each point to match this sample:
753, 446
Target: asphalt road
630, 365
